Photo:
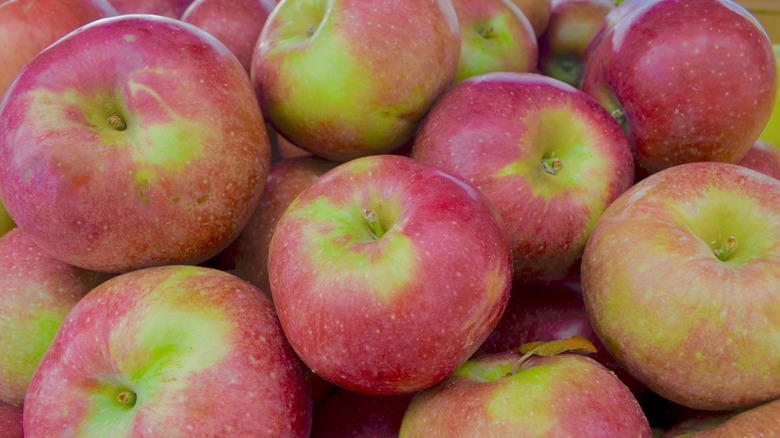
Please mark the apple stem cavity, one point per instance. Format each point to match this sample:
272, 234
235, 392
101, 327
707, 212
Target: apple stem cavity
372, 220
552, 165
726, 249
117, 123
127, 398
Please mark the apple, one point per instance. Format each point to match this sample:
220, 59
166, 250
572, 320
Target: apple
166, 8
29, 26
771, 132
495, 36
36, 292
236, 23
538, 13
170, 351
759, 421
550, 312
286, 180
388, 273
503, 395
680, 280
691, 80
352, 414
344, 79
620, 11
763, 157
570, 29
10, 421
135, 141
546, 155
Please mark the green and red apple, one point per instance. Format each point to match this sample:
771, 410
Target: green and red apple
562, 45
344, 79
546, 155
388, 273
771, 132
495, 36
689, 81
36, 292
680, 280
135, 141
508, 395
173, 351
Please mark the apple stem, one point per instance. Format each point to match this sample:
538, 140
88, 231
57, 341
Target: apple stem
552, 165
726, 249
619, 115
374, 227
310, 30
523, 360
127, 398
117, 123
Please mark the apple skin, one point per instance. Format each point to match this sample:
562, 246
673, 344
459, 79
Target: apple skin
554, 396
236, 23
286, 180
200, 352
763, 157
352, 414
697, 330
401, 312
570, 29
28, 26
538, 13
495, 36
36, 292
691, 80
759, 421
10, 421
176, 186
496, 129
165, 8
771, 132
620, 11
363, 79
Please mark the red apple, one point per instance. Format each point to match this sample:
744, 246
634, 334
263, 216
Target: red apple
495, 36
352, 414
286, 180
36, 292
166, 8
537, 12
10, 421
570, 29
557, 396
170, 351
345, 78
135, 141
691, 80
680, 283
28, 26
236, 23
544, 153
763, 157
388, 273
759, 421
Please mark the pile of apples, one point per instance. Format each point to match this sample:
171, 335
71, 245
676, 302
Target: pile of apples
374, 218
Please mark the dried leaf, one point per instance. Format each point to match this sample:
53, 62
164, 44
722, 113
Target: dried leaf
574, 344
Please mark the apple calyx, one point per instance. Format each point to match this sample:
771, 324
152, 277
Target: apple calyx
726, 248
485, 31
552, 165
574, 344
116, 122
374, 227
127, 398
